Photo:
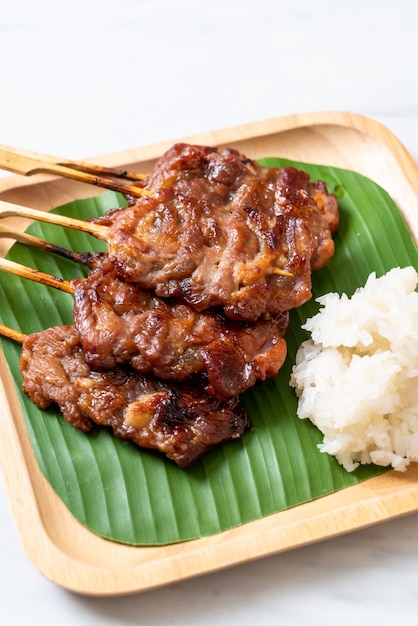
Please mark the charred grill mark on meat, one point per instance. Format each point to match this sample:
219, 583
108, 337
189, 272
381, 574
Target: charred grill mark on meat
181, 421
220, 230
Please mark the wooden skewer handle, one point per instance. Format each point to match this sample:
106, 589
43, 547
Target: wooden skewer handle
21, 162
91, 168
11, 333
39, 277
83, 166
16, 210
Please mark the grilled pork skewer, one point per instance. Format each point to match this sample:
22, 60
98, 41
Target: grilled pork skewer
99, 231
220, 230
181, 421
28, 163
145, 262
121, 323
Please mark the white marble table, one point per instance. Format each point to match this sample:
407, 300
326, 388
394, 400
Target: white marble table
100, 77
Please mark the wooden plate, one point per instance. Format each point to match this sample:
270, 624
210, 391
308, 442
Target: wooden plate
73, 557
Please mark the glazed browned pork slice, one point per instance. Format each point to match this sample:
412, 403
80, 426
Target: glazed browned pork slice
183, 422
220, 230
119, 322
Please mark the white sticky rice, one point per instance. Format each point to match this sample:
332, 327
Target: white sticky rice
357, 376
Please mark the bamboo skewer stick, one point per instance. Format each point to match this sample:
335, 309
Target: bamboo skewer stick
34, 162
15, 210
91, 168
82, 166
84, 258
11, 333
35, 275
28, 163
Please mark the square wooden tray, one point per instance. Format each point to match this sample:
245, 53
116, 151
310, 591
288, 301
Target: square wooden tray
73, 557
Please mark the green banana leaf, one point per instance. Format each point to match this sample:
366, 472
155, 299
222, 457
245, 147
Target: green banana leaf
138, 497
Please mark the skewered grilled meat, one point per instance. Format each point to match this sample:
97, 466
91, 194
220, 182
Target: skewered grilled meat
120, 322
183, 421
220, 230
196, 289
